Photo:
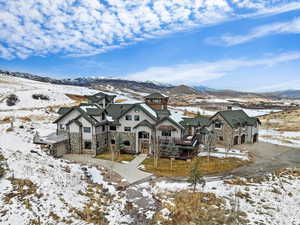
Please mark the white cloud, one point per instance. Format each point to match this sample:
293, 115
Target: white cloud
197, 73
290, 27
87, 27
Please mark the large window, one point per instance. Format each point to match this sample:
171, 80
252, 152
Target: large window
166, 133
128, 117
87, 145
127, 129
137, 118
86, 129
112, 128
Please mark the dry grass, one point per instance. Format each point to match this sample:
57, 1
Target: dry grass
117, 158
120, 100
182, 168
6, 120
282, 121
76, 98
25, 118
198, 208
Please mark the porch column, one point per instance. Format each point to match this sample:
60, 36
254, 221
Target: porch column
137, 142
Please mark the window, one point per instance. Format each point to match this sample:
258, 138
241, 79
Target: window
61, 126
103, 116
137, 118
166, 133
112, 141
86, 129
127, 129
97, 144
128, 117
218, 125
103, 127
112, 128
127, 143
221, 138
87, 145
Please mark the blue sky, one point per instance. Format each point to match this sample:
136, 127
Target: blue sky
250, 45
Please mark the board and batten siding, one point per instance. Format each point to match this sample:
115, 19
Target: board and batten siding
174, 134
71, 115
132, 123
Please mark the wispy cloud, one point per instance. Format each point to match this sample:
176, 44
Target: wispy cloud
290, 27
88, 27
197, 73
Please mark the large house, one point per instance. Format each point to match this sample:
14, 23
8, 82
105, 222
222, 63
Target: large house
100, 125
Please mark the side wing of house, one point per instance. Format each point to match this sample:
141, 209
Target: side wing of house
222, 129
64, 119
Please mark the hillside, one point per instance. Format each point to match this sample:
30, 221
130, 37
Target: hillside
99, 82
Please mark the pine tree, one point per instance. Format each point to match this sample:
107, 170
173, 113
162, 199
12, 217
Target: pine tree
195, 176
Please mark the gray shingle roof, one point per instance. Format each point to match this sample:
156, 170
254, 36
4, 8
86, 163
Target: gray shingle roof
197, 121
156, 95
236, 118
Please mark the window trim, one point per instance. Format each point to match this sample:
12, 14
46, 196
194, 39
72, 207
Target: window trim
128, 117
163, 132
127, 129
85, 130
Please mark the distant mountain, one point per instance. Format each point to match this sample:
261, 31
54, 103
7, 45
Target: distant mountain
203, 88
287, 94
182, 89
152, 86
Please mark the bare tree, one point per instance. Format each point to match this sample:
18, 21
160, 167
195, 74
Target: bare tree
156, 150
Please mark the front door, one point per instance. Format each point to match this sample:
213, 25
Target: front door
144, 147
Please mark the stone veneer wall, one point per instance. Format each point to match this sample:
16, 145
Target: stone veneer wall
75, 142
102, 140
125, 136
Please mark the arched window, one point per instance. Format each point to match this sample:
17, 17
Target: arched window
127, 143
112, 141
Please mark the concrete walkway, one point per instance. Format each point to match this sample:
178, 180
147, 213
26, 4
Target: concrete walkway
129, 171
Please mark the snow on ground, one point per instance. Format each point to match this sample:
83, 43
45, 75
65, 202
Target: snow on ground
57, 182
25, 88
274, 201
195, 109
223, 153
286, 138
257, 112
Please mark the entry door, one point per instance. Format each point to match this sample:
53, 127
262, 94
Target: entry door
145, 147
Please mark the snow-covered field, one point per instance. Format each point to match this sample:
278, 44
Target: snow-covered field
274, 201
286, 138
37, 187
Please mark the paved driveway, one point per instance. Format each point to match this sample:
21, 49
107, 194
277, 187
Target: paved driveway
268, 158
129, 171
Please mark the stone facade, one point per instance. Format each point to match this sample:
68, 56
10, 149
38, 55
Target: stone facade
228, 136
75, 143
126, 137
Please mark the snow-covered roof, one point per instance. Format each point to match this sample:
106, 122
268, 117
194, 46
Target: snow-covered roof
149, 109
